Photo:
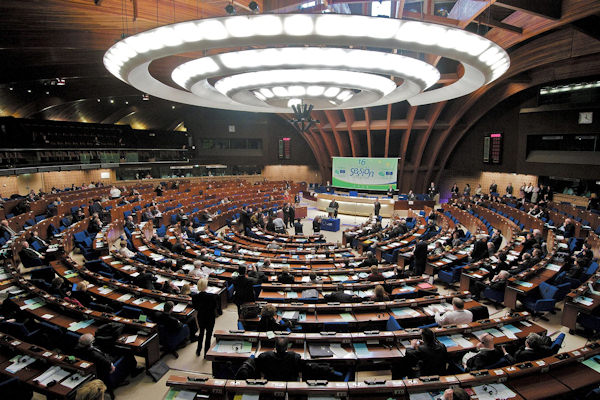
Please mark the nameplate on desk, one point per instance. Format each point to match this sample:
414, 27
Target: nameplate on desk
319, 382
334, 303
375, 381
197, 379
478, 373
236, 331
375, 332
432, 378
327, 333
256, 381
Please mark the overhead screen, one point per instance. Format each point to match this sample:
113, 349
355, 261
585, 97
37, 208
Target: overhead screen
364, 173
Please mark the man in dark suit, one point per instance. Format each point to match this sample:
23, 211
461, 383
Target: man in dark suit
35, 238
335, 206
533, 349
424, 357
245, 215
496, 239
129, 224
486, 356
568, 228
243, 288
298, 227
95, 207
377, 207
419, 258
340, 296
281, 364
30, 257
480, 250
498, 283
6, 230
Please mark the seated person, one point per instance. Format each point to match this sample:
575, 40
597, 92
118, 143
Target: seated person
533, 349
498, 282
179, 246
369, 261
6, 230
29, 256
375, 275
455, 393
273, 246
480, 249
57, 288
457, 316
281, 364
95, 224
424, 357
145, 280
124, 251
129, 224
487, 355
103, 361
285, 277
92, 390
340, 296
267, 320
379, 294
35, 238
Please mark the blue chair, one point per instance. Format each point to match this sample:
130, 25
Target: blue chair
557, 343
19, 330
563, 290
589, 322
240, 326
545, 302
432, 325
450, 276
392, 324
496, 296
39, 218
171, 341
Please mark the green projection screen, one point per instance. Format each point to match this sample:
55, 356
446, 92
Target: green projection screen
364, 173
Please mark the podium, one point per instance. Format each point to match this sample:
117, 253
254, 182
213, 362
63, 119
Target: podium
330, 224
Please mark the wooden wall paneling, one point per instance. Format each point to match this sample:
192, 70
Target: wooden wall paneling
434, 113
410, 116
579, 67
387, 130
349, 117
327, 139
368, 120
333, 120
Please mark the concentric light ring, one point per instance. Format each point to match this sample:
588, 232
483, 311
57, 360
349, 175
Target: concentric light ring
129, 59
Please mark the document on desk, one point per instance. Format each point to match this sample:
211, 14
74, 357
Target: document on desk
54, 373
159, 307
233, 346
447, 341
405, 311
509, 334
361, 349
125, 297
493, 391
75, 326
347, 317
586, 301
179, 307
131, 339
291, 295
339, 351
18, 363
461, 341
593, 363
524, 284
74, 380
553, 267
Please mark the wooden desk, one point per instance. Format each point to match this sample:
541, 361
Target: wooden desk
576, 376
538, 387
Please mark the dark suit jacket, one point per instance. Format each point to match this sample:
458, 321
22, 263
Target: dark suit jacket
484, 359
420, 257
206, 306
243, 290
430, 360
285, 278
170, 322
480, 250
279, 367
340, 297
569, 231
101, 360
28, 256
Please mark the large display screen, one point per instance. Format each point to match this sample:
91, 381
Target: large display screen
364, 173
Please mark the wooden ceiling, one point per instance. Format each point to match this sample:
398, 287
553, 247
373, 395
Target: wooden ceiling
44, 40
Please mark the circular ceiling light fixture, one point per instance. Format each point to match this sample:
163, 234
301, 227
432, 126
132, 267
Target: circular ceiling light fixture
321, 63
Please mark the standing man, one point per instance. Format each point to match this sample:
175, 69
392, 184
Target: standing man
377, 206
334, 204
493, 188
509, 190
390, 192
291, 214
432, 192
286, 215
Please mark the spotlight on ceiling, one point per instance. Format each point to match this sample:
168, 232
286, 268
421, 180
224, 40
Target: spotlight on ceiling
302, 120
230, 9
253, 6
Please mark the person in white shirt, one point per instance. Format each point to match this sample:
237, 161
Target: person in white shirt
273, 245
279, 225
457, 316
125, 252
197, 271
115, 193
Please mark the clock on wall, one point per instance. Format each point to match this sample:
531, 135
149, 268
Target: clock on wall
586, 117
